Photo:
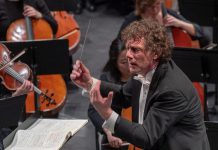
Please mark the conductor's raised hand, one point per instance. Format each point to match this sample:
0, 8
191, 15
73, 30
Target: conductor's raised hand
101, 104
81, 76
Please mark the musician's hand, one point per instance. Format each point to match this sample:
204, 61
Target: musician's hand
172, 21
30, 11
26, 87
81, 76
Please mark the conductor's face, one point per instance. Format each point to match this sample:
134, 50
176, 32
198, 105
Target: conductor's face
139, 58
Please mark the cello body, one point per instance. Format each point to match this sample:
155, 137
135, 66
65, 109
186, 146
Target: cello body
68, 28
17, 30
181, 38
52, 85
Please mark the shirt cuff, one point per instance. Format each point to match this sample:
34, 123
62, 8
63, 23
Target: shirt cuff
93, 84
110, 122
85, 92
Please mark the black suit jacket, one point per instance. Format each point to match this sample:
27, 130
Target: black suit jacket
172, 117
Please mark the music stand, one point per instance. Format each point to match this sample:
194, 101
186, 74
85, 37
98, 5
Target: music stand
212, 133
207, 17
56, 5
44, 57
10, 110
199, 65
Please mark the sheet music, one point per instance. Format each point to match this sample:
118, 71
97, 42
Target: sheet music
43, 125
46, 134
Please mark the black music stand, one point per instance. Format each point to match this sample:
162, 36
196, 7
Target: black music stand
212, 133
57, 5
43, 57
205, 13
200, 66
10, 110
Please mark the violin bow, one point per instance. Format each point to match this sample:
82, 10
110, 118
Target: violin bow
12, 60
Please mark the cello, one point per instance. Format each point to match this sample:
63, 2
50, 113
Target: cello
68, 29
30, 29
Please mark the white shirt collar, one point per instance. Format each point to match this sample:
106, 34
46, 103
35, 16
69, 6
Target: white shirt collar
145, 80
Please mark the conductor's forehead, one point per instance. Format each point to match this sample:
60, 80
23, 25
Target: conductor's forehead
134, 41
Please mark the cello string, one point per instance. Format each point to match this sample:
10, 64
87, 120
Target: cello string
85, 39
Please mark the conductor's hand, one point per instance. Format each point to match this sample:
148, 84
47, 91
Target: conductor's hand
26, 87
81, 76
101, 104
30, 11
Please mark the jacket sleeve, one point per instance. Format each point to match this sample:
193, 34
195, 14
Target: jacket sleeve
167, 109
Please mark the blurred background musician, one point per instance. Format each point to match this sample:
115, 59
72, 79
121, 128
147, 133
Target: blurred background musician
115, 71
13, 10
155, 9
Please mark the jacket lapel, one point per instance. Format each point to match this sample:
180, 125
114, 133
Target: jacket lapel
159, 73
135, 100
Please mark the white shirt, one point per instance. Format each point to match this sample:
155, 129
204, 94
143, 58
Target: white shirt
146, 81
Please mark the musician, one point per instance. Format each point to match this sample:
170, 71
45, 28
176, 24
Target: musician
116, 70
23, 89
155, 10
166, 108
10, 11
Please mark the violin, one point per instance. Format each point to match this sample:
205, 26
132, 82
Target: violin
15, 74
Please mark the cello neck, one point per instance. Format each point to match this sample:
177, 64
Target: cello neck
168, 29
29, 28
